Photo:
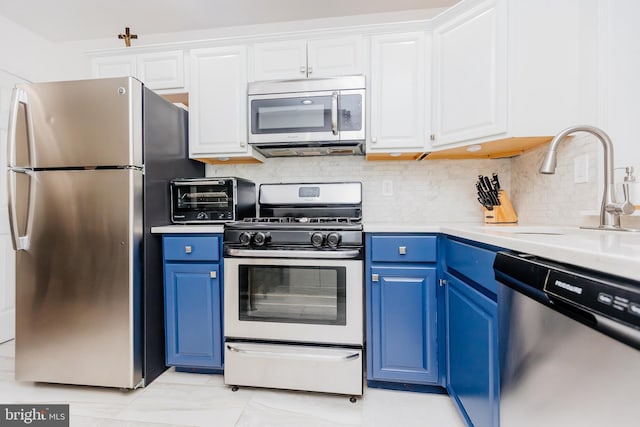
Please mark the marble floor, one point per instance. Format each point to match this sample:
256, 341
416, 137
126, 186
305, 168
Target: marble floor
185, 399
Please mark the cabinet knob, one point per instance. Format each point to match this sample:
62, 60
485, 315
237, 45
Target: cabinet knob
213, 274
303, 69
188, 249
374, 139
402, 250
432, 137
309, 70
374, 278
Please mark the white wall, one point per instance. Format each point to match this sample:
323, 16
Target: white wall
619, 69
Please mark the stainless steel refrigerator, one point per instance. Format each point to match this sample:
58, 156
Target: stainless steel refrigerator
88, 168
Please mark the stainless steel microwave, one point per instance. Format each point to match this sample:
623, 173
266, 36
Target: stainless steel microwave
308, 116
212, 200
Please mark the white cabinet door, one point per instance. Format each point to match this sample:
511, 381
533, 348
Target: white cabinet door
162, 70
299, 59
218, 102
470, 76
114, 66
398, 93
279, 60
7, 255
335, 57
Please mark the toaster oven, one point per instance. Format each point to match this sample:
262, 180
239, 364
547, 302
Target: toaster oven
212, 200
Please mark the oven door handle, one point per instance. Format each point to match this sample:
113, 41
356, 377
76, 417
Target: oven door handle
337, 358
284, 253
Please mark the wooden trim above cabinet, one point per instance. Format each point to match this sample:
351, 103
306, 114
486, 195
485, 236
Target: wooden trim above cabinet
228, 160
393, 156
500, 148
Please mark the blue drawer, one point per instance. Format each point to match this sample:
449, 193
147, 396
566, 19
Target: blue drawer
190, 248
471, 262
399, 248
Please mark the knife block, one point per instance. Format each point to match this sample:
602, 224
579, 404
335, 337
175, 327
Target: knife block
502, 214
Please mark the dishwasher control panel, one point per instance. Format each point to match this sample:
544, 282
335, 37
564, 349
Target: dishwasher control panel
615, 298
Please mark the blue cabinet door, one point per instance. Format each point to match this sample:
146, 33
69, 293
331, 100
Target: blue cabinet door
193, 321
472, 358
402, 305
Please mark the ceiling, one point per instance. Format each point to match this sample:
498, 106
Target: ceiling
73, 20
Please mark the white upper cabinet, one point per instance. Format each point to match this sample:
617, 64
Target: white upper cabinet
517, 71
469, 76
300, 59
397, 93
157, 70
114, 66
162, 70
218, 103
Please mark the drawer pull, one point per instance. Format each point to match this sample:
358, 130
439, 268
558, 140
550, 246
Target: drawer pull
188, 249
402, 250
213, 274
374, 277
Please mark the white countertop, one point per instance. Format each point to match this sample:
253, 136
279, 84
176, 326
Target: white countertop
613, 252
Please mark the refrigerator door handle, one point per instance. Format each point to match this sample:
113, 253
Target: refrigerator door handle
19, 96
19, 242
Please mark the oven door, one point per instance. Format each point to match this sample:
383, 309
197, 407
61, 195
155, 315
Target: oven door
307, 117
294, 300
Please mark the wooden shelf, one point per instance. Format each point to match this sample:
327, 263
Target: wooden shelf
498, 149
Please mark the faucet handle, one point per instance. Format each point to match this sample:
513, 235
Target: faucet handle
628, 173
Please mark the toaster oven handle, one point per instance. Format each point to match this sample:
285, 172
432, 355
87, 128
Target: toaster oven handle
285, 253
334, 113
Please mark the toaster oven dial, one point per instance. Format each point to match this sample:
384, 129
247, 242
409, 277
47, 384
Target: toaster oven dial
245, 238
333, 240
260, 238
317, 239
202, 216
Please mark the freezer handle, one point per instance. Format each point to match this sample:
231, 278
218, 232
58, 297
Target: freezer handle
19, 242
19, 96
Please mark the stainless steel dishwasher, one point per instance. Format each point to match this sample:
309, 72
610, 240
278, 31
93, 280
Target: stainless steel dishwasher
569, 345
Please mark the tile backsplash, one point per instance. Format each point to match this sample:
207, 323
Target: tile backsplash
427, 191
439, 191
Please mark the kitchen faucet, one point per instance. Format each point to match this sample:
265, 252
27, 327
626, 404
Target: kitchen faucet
610, 209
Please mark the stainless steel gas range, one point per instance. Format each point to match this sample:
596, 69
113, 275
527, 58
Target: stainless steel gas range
293, 302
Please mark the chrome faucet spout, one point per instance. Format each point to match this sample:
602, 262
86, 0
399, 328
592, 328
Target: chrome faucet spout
610, 210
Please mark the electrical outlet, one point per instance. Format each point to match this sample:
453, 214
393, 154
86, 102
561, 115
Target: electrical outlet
581, 169
387, 187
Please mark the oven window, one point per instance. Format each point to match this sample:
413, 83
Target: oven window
300, 294
202, 197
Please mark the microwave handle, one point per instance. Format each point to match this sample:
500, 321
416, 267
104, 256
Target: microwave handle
334, 113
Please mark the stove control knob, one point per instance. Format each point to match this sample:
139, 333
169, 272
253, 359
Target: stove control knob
333, 240
260, 238
317, 239
245, 238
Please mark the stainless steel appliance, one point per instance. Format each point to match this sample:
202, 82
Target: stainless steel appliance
293, 302
308, 117
569, 343
212, 200
89, 168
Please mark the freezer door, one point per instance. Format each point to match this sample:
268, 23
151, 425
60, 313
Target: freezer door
78, 280
76, 124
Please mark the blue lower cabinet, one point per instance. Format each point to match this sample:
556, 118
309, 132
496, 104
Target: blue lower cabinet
472, 358
193, 291
192, 315
401, 324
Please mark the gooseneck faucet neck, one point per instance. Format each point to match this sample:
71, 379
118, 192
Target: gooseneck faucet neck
610, 210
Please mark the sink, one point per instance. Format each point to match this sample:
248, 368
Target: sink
538, 229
